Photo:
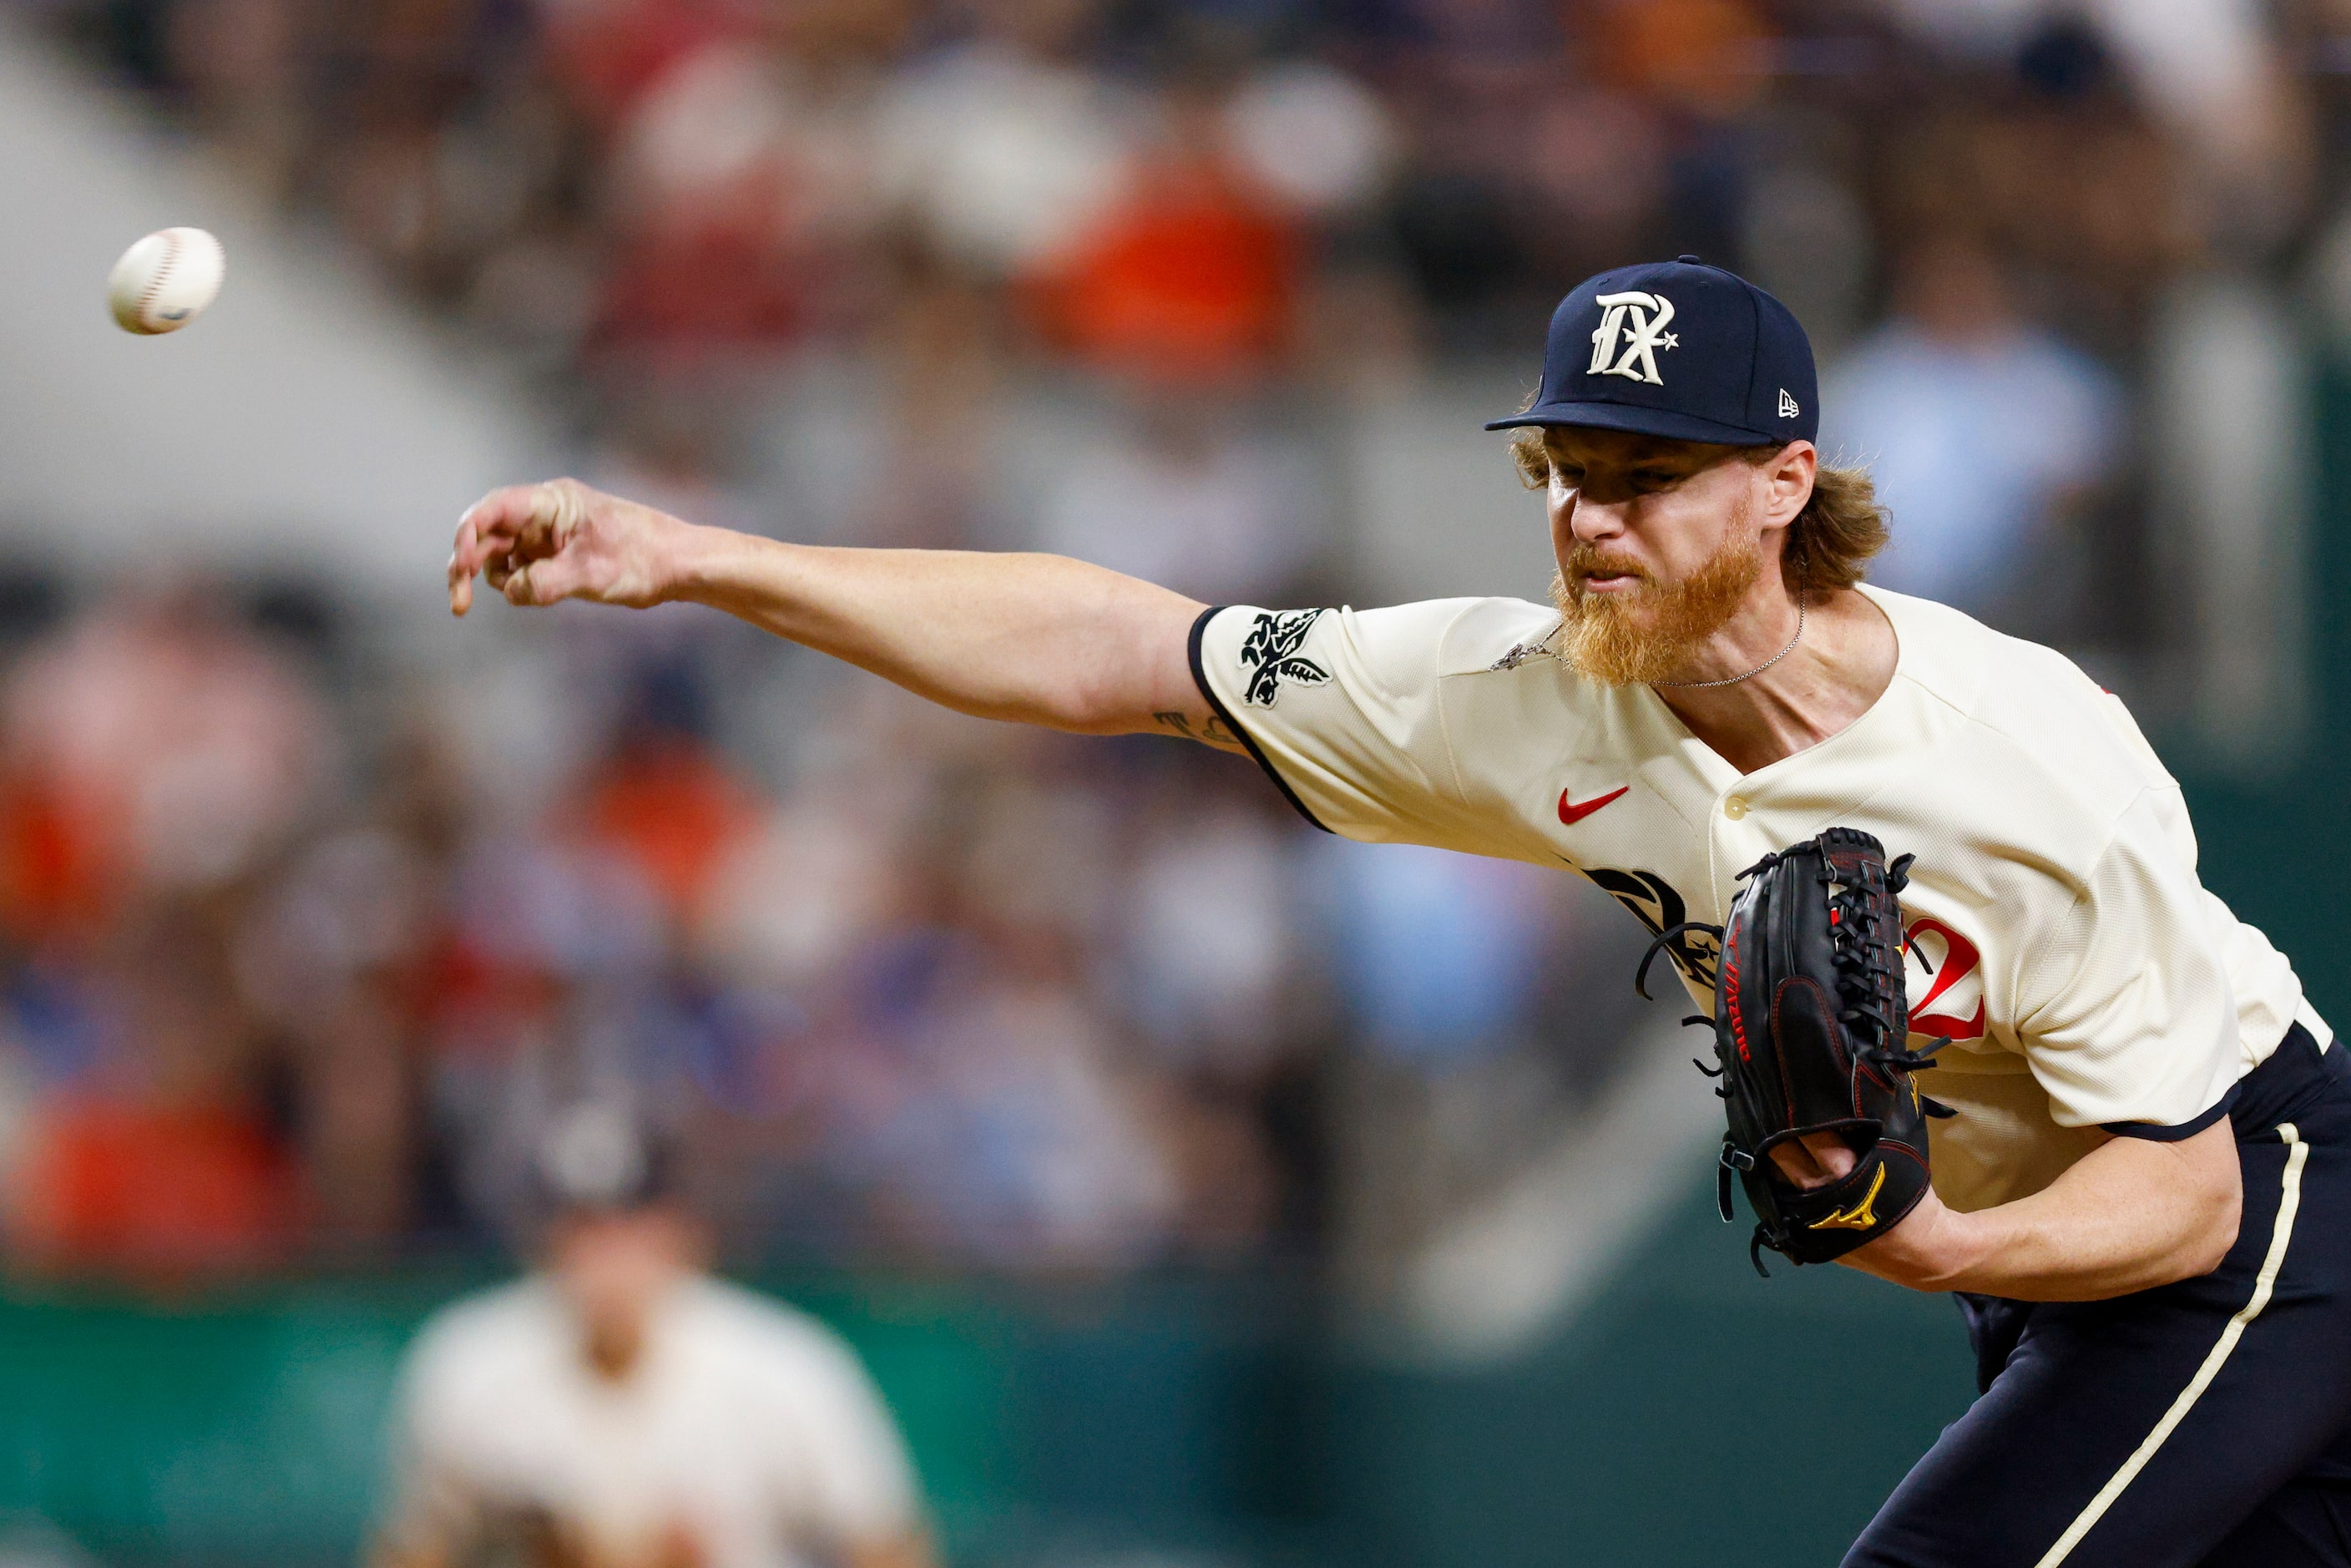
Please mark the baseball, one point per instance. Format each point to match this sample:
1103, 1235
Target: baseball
165, 280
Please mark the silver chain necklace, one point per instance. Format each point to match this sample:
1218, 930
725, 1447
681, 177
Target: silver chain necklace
1734, 680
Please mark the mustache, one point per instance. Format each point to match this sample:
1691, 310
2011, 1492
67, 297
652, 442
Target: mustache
1585, 560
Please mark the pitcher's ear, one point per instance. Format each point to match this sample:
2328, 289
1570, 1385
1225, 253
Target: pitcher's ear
1791, 472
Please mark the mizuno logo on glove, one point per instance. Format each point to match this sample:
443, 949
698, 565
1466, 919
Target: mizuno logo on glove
1859, 1217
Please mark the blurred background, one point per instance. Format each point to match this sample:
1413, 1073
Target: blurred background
1200, 1190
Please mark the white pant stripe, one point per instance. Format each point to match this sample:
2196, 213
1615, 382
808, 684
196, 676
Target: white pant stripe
2289, 1201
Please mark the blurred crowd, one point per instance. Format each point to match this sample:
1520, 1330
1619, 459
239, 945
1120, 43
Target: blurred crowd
301, 953
709, 225
301, 970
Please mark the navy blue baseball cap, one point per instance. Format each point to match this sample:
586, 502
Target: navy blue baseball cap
1679, 349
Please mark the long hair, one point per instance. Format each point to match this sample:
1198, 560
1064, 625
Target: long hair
1828, 547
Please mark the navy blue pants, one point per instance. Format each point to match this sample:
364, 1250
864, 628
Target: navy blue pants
2205, 1424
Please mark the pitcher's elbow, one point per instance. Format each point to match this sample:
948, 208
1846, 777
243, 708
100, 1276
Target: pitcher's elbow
2201, 1243
2217, 1234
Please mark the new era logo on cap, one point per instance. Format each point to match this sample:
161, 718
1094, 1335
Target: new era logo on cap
1677, 349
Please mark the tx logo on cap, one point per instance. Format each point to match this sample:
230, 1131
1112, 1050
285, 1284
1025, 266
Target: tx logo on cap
1638, 321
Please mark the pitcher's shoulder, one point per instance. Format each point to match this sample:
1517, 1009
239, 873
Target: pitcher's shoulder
1496, 635
2057, 717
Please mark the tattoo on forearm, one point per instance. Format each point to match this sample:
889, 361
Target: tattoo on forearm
1209, 731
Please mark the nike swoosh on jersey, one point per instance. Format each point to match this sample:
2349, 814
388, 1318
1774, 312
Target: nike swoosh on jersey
1571, 813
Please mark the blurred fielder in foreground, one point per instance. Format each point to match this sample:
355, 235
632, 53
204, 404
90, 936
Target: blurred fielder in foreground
622, 1409
2144, 1195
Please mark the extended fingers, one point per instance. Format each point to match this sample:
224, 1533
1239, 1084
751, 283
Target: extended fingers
461, 578
491, 523
516, 524
480, 536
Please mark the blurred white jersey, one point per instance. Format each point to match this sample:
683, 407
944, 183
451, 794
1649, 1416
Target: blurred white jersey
750, 1425
2083, 975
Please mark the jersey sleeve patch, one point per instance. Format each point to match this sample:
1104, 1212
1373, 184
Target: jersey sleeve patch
1217, 704
1270, 656
1345, 709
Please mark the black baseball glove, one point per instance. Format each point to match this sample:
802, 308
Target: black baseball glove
1811, 1029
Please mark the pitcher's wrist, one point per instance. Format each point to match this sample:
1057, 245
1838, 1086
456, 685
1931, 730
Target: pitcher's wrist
690, 562
1932, 1249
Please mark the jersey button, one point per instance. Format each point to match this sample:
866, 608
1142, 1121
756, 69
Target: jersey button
1735, 807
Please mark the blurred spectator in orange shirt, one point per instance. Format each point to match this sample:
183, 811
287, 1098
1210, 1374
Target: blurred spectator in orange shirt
1702, 57
1193, 278
664, 800
1192, 274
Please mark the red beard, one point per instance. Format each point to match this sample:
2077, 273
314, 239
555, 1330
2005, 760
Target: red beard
1649, 633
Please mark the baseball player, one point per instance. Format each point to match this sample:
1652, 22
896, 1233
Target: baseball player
2144, 1195
621, 1408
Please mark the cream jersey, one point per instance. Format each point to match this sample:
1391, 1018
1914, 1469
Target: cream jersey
749, 1427
2061, 939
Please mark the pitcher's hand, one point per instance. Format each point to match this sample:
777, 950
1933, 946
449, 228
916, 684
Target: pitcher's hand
539, 543
1813, 1159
